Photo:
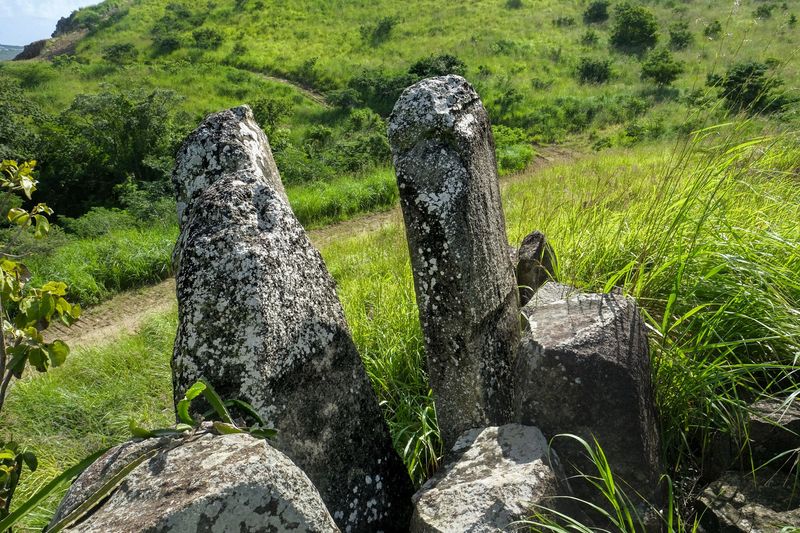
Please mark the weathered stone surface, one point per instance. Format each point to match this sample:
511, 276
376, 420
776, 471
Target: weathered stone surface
260, 319
534, 265
774, 434
466, 291
32, 50
204, 483
583, 368
548, 293
493, 477
740, 503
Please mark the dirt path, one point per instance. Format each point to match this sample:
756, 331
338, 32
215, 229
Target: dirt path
125, 313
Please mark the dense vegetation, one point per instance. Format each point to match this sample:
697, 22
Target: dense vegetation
700, 227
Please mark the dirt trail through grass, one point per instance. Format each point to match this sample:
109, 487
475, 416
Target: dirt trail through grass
125, 313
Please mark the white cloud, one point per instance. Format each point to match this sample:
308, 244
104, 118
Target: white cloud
24, 21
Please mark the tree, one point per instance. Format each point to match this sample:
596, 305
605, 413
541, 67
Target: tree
25, 312
679, 36
748, 86
661, 67
597, 11
103, 140
635, 28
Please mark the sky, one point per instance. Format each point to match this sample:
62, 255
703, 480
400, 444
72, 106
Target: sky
25, 21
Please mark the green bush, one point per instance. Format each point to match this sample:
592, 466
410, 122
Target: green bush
379, 32
764, 11
98, 222
749, 86
593, 70
590, 38
514, 4
661, 67
564, 21
438, 65
596, 11
713, 30
635, 28
207, 38
680, 37
120, 54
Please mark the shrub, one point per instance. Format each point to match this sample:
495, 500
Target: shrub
764, 11
564, 21
438, 66
635, 28
164, 44
380, 90
375, 34
590, 38
713, 30
792, 20
120, 54
748, 86
679, 36
596, 11
514, 4
207, 39
591, 70
661, 67
269, 111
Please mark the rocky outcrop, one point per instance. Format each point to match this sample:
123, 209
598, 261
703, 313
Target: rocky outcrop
583, 368
201, 483
744, 502
464, 280
260, 319
494, 477
535, 260
32, 50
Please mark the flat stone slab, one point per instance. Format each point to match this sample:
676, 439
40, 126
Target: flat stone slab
493, 477
204, 483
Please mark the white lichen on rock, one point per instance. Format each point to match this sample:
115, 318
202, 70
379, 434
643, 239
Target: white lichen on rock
259, 317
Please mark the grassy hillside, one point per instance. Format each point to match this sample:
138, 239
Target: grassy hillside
321, 75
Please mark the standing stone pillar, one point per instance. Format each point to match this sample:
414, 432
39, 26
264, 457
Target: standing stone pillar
260, 319
465, 285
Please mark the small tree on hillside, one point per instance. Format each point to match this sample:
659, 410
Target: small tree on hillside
635, 28
596, 11
661, 67
748, 87
680, 37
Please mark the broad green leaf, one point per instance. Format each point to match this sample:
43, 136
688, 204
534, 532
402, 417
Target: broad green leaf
38, 359
263, 433
58, 351
30, 461
57, 288
216, 403
42, 226
226, 429
138, 431
18, 216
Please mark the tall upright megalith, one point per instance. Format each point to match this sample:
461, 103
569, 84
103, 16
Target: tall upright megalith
466, 290
260, 319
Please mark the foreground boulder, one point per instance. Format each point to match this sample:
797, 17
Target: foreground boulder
583, 368
260, 319
744, 502
493, 477
201, 483
535, 260
466, 292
